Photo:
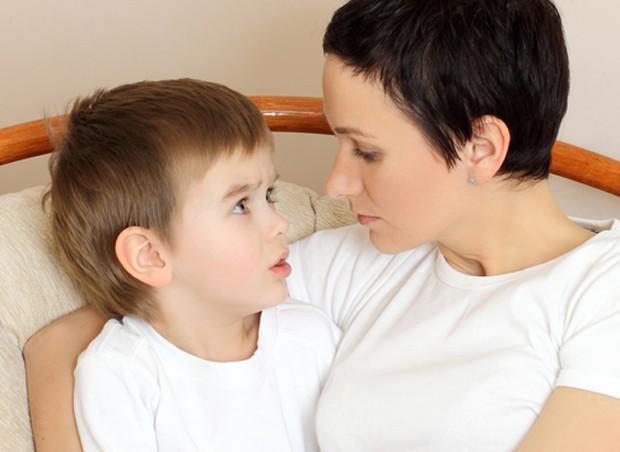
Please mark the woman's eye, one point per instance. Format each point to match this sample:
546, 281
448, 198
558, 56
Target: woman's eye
365, 155
270, 196
241, 207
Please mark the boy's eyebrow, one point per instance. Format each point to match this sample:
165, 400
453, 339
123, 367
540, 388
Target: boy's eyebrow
236, 190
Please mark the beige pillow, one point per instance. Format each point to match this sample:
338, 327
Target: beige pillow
34, 290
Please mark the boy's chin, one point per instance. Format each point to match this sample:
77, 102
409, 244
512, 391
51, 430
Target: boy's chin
279, 296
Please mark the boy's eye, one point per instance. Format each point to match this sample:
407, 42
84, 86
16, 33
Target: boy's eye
241, 207
367, 156
270, 196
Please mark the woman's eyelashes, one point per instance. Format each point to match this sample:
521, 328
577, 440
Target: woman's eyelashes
367, 156
242, 206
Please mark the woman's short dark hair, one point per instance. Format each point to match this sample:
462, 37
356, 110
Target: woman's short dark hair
447, 63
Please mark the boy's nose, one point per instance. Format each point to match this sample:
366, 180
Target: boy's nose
344, 178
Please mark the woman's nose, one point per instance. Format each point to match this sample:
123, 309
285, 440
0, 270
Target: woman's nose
344, 179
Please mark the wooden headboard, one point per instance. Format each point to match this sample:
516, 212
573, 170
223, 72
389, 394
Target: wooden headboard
305, 115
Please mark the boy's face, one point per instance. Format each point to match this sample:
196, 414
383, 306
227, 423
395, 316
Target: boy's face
228, 243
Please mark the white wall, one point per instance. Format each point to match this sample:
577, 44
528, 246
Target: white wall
51, 52
593, 35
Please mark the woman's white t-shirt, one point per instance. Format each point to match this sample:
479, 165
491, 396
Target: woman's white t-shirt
436, 360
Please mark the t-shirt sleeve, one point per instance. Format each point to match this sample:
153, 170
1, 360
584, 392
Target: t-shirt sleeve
590, 352
114, 404
310, 327
334, 270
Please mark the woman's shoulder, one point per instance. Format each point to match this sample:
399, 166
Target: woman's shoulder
295, 316
340, 270
590, 270
306, 335
601, 250
611, 225
308, 323
590, 273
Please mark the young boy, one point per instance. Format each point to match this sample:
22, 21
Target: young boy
162, 200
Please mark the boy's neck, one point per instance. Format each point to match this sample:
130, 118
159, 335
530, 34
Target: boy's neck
208, 336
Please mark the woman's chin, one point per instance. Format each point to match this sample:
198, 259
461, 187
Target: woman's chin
391, 243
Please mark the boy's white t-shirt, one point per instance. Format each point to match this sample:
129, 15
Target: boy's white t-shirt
434, 360
135, 391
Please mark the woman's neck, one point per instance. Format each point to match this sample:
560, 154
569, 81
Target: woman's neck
509, 229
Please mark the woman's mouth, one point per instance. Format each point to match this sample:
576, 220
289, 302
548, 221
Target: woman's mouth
366, 219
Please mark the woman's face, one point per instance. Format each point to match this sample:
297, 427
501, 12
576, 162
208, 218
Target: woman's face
398, 185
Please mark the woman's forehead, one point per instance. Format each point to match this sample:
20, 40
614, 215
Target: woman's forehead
355, 103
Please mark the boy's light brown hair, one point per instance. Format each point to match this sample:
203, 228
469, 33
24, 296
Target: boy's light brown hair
126, 159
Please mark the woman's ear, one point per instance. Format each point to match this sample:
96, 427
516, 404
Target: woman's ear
486, 151
143, 256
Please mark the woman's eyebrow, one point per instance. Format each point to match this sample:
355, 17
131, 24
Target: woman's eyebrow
352, 131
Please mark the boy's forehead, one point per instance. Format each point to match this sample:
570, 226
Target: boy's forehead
236, 171
237, 189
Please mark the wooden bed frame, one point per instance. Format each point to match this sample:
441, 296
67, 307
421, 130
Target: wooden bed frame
305, 115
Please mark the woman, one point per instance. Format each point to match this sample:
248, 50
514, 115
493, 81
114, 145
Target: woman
476, 315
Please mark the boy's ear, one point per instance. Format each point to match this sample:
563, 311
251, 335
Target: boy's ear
486, 151
143, 256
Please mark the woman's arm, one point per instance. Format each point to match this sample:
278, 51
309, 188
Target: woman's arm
50, 356
575, 420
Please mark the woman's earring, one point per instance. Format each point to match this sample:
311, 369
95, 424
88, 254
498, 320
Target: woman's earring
472, 180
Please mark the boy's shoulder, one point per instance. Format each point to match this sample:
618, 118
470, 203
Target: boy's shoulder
120, 341
118, 336
117, 369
